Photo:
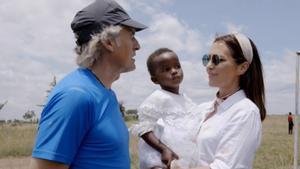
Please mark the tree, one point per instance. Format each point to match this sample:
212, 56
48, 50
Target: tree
122, 108
29, 115
3, 104
48, 91
52, 84
132, 112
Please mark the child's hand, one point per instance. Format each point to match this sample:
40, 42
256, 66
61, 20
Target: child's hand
175, 165
167, 156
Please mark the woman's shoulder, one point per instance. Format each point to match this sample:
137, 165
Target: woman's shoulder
247, 104
246, 109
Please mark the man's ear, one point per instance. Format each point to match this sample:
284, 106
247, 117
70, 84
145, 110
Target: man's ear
243, 68
154, 79
108, 44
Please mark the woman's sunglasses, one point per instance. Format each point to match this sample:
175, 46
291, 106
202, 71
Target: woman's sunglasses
215, 59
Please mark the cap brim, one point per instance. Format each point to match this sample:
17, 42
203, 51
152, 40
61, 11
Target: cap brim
134, 24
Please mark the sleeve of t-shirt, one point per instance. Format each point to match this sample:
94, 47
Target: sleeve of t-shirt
64, 122
239, 141
148, 113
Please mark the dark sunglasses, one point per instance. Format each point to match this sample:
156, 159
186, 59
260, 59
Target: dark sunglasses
215, 59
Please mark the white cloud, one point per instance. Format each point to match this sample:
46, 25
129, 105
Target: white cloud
231, 27
168, 31
37, 43
280, 83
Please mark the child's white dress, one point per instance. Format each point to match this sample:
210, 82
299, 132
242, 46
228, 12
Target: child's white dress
169, 116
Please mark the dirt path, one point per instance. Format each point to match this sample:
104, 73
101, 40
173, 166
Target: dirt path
14, 163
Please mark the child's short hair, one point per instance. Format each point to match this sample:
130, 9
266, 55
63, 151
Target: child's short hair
150, 63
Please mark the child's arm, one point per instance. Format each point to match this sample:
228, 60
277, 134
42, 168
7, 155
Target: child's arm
167, 155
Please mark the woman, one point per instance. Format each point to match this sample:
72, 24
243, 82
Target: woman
231, 128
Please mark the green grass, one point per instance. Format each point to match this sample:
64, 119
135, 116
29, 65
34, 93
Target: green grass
277, 147
275, 152
16, 140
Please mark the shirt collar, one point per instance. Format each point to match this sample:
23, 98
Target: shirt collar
228, 102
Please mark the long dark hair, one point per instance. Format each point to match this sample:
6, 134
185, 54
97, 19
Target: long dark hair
251, 81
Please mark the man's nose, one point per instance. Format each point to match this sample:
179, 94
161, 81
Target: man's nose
136, 44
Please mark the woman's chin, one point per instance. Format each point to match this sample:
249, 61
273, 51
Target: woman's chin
212, 84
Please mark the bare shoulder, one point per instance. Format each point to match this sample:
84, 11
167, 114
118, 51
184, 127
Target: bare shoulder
36, 163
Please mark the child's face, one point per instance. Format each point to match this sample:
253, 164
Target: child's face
168, 73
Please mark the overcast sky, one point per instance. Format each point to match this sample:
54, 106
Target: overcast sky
37, 43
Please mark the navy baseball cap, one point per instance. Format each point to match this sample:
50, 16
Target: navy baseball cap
101, 13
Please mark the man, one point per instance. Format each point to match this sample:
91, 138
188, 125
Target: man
291, 123
81, 126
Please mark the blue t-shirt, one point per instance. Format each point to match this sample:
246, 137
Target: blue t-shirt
82, 126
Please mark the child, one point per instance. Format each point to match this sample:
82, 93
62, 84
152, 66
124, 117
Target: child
165, 135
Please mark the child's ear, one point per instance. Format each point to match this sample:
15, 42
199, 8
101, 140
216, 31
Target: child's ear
154, 79
243, 68
108, 44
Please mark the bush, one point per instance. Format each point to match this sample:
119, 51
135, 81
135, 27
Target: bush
131, 117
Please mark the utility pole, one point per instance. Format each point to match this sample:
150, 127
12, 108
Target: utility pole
296, 112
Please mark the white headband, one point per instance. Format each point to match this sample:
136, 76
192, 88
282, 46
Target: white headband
245, 45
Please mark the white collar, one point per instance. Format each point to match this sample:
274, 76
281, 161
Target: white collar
226, 104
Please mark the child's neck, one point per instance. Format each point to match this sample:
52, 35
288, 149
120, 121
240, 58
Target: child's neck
170, 89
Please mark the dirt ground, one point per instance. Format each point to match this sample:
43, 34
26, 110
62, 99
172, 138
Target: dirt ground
15, 163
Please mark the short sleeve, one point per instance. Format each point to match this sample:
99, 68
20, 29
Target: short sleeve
149, 112
65, 121
239, 142
148, 116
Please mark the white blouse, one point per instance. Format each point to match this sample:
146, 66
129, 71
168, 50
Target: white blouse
230, 138
169, 116
163, 105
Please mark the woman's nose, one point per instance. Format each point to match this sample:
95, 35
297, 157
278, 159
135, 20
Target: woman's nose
210, 64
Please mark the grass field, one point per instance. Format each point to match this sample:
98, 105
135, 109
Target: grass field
16, 141
275, 152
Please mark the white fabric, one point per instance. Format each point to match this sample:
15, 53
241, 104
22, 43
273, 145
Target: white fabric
169, 116
245, 44
229, 139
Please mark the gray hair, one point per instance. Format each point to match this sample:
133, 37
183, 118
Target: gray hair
89, 53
